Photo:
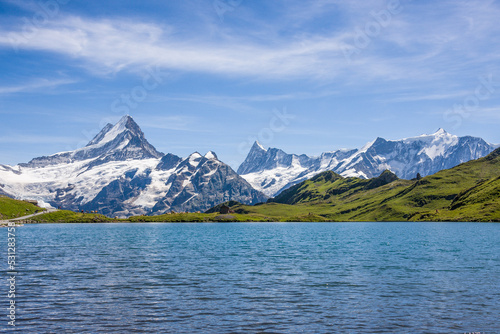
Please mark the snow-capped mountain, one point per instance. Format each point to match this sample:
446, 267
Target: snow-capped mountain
119, 142
120, 174
272, 171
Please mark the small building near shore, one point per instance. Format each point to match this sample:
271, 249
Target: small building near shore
224, 210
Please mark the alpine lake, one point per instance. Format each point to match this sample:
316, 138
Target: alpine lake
257, 278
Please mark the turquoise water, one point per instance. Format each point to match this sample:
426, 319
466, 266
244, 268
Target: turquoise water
257, 278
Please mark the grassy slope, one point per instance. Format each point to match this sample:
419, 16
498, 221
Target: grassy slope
478, 203
11, 208
201, 217
75, 217
70, 217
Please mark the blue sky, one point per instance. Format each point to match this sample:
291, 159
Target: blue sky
200, 75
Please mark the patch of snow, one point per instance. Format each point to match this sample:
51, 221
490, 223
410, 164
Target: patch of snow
191, 198
210, 155
353, 173
212, 172
366, 147
155, 191
44, 205
267, 176
194, 159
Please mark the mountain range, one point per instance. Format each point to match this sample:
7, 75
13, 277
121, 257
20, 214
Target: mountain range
119, 173
271, 171
468, 192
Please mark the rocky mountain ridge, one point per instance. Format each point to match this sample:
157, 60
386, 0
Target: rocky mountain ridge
272, 170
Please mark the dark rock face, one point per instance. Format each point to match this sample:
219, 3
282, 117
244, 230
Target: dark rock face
385, 178
66, 198
61, 158
210, 182
168, 162
112, 199
254, 161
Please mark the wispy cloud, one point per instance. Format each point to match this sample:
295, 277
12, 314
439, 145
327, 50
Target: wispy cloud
427, 97
114, 45
35, 85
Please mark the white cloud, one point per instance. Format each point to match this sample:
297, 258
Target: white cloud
418, 43
114, 45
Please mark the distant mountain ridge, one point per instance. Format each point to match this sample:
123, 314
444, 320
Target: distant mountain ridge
272, 171
119, 173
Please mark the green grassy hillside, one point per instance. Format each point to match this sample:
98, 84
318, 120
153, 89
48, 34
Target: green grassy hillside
329, 186
11, 208
64, 216
202, 217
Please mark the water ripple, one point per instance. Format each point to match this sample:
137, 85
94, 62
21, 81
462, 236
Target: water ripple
258, 278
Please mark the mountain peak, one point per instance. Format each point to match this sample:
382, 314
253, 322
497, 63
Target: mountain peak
195, 155
111, 132
440, 134
125, 119
169, 161
257, 146
122, 141
255, 157
211, 155
440, 131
